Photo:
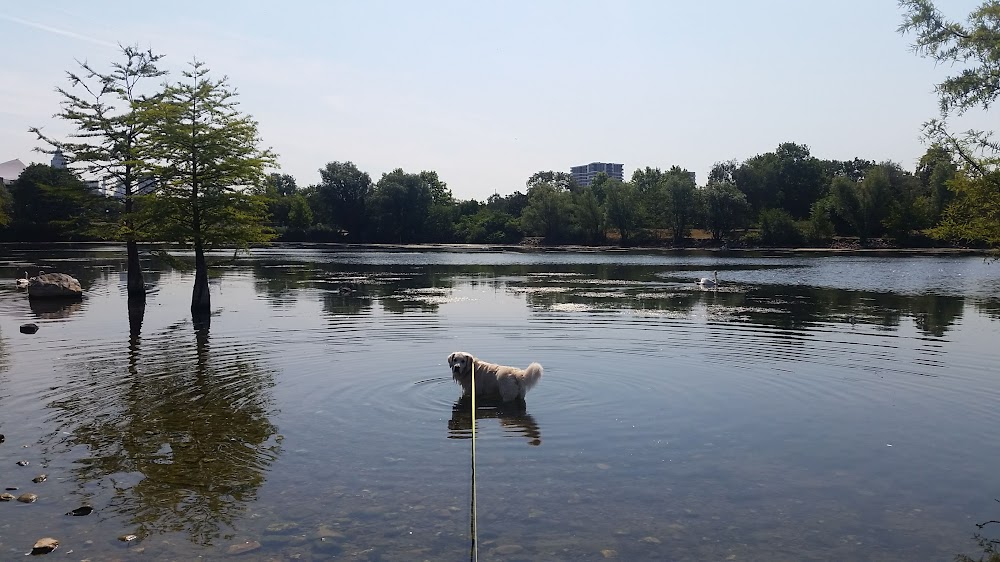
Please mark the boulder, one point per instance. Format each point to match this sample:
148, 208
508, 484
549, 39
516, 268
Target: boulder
54, 285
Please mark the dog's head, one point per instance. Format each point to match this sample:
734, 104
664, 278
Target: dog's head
460, 363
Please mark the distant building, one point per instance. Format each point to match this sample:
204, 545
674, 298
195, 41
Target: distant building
10, 171
586, 173
58, 160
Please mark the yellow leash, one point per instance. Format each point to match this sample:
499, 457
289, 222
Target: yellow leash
474, 549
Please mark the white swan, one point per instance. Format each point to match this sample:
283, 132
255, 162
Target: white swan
22, 283
709, 283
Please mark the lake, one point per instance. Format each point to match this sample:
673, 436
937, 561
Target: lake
812, 407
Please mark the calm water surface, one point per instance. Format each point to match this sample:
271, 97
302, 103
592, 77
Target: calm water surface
812, 408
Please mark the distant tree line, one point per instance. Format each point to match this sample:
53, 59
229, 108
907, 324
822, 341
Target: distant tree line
786, 197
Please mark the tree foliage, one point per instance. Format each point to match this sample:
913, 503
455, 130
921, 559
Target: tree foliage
862, 203
52, 204
726, 208
679, 201
623, 210
974, 48
209, 164
549, 212
111, 139
402, 203
343, 194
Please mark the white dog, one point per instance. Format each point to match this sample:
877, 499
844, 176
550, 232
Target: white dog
493, 381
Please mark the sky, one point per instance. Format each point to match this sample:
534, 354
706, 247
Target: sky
488, 92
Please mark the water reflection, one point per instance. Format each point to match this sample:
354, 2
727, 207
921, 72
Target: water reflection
513, 417
182, 432
990, 546
52, 309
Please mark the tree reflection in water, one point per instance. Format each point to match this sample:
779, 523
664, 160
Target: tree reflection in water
181, 432
990, 546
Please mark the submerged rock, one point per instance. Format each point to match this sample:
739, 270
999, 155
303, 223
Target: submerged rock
23, 463
40, 478
6, 497
29, 328
54, 285
127, 538
243, 547
44, 546
27, 497
81, 511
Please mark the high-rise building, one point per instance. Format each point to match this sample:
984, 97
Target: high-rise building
586, 173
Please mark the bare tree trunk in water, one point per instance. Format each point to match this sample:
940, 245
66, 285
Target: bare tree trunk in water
201, 303
136, 285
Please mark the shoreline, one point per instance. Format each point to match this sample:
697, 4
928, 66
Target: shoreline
526, 248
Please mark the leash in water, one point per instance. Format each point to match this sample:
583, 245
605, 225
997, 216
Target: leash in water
473, 548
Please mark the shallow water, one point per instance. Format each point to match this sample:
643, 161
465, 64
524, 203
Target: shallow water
811, 408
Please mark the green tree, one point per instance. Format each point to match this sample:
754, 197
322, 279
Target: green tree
907, 209
559, 180
647, 180
111, 139
282, 185
5, 205
512, 204
401, 204
777, 228
590, 214
974, 216
788, 178
623, 210
344, 194
300, 216
820, 227
726, 208
547, 213
52, 204
278, 190
852, 169
934, 170
723, 172
441, 217
208, 160
862, 204
488, 226
975, 48
599, 187
679, 201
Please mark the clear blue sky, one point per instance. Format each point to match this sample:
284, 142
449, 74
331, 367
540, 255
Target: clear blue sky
488, 92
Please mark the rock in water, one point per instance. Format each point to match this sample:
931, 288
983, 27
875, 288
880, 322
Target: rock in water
44, 546
27, 497
242, 548
81, 511
40, 478
29, 328
49, 285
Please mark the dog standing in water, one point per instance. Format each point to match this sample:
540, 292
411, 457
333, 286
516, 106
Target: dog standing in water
493, 381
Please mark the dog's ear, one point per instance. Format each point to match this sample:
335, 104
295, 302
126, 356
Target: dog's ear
451, 359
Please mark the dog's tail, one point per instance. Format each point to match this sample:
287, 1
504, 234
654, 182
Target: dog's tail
531, 375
